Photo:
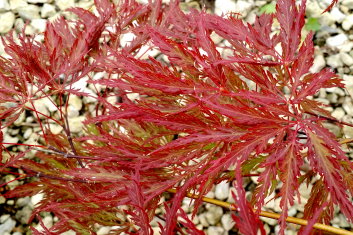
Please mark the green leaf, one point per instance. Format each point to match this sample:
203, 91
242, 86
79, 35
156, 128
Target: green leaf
268, 8
312, 24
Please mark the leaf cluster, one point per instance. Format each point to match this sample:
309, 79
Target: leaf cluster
205, 112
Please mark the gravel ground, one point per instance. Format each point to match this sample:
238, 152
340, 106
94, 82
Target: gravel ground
334, 43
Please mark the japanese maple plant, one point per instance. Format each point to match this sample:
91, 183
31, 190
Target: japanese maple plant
176, 123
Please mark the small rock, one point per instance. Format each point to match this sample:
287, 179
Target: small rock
336, 41
7, 21
214, 214
337, 15
222, 190
16, 4
3, 218
319, 63
36, 199
2, 200
103, 230
347, 23
39, 24
76, 124
47, 11
39, 1
224, 6
4, 5
10, 140
227, 221
21, 202
334, 61
55, 128
41, 107
214, 230
24, 214
348, 131
346, 59
7, 226
29, 12
347, 3
203, 220
47, 221
64, 4
338, 113
76, 102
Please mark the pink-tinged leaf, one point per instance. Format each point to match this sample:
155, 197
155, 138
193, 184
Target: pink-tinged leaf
325, 160
330, 6
243, 115
26, 190
202, 138
246, 220
189, 225
139, 203
319, 195
309, 227
304, 60
313, 82
291, 21
290, 172
97, 173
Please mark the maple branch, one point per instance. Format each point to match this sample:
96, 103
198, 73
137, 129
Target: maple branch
271, 215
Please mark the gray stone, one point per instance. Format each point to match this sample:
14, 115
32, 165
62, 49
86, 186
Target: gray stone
348, 131
214, 214
29, 12
347, 23
203, 220
7, 226
4, 5
3, 218
222, 190
348, 106
24, 214
346, 59
336, 41
2, 200
64, 4
7, 21
39, 1
348, 81
338, 113
39, 25
36, 199
347, 3
214, 230
334, 61
319, 63
76, 124
47, 11
227, 221
224, 6
16, 4
337, 15
21, 202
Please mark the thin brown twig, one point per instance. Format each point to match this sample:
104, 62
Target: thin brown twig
271, 215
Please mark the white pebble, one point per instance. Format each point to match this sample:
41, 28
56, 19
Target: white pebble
64, 4
336, 41
222, 190
227, 221
29, 12
4, 5
47, 11
7, 21
346, 59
